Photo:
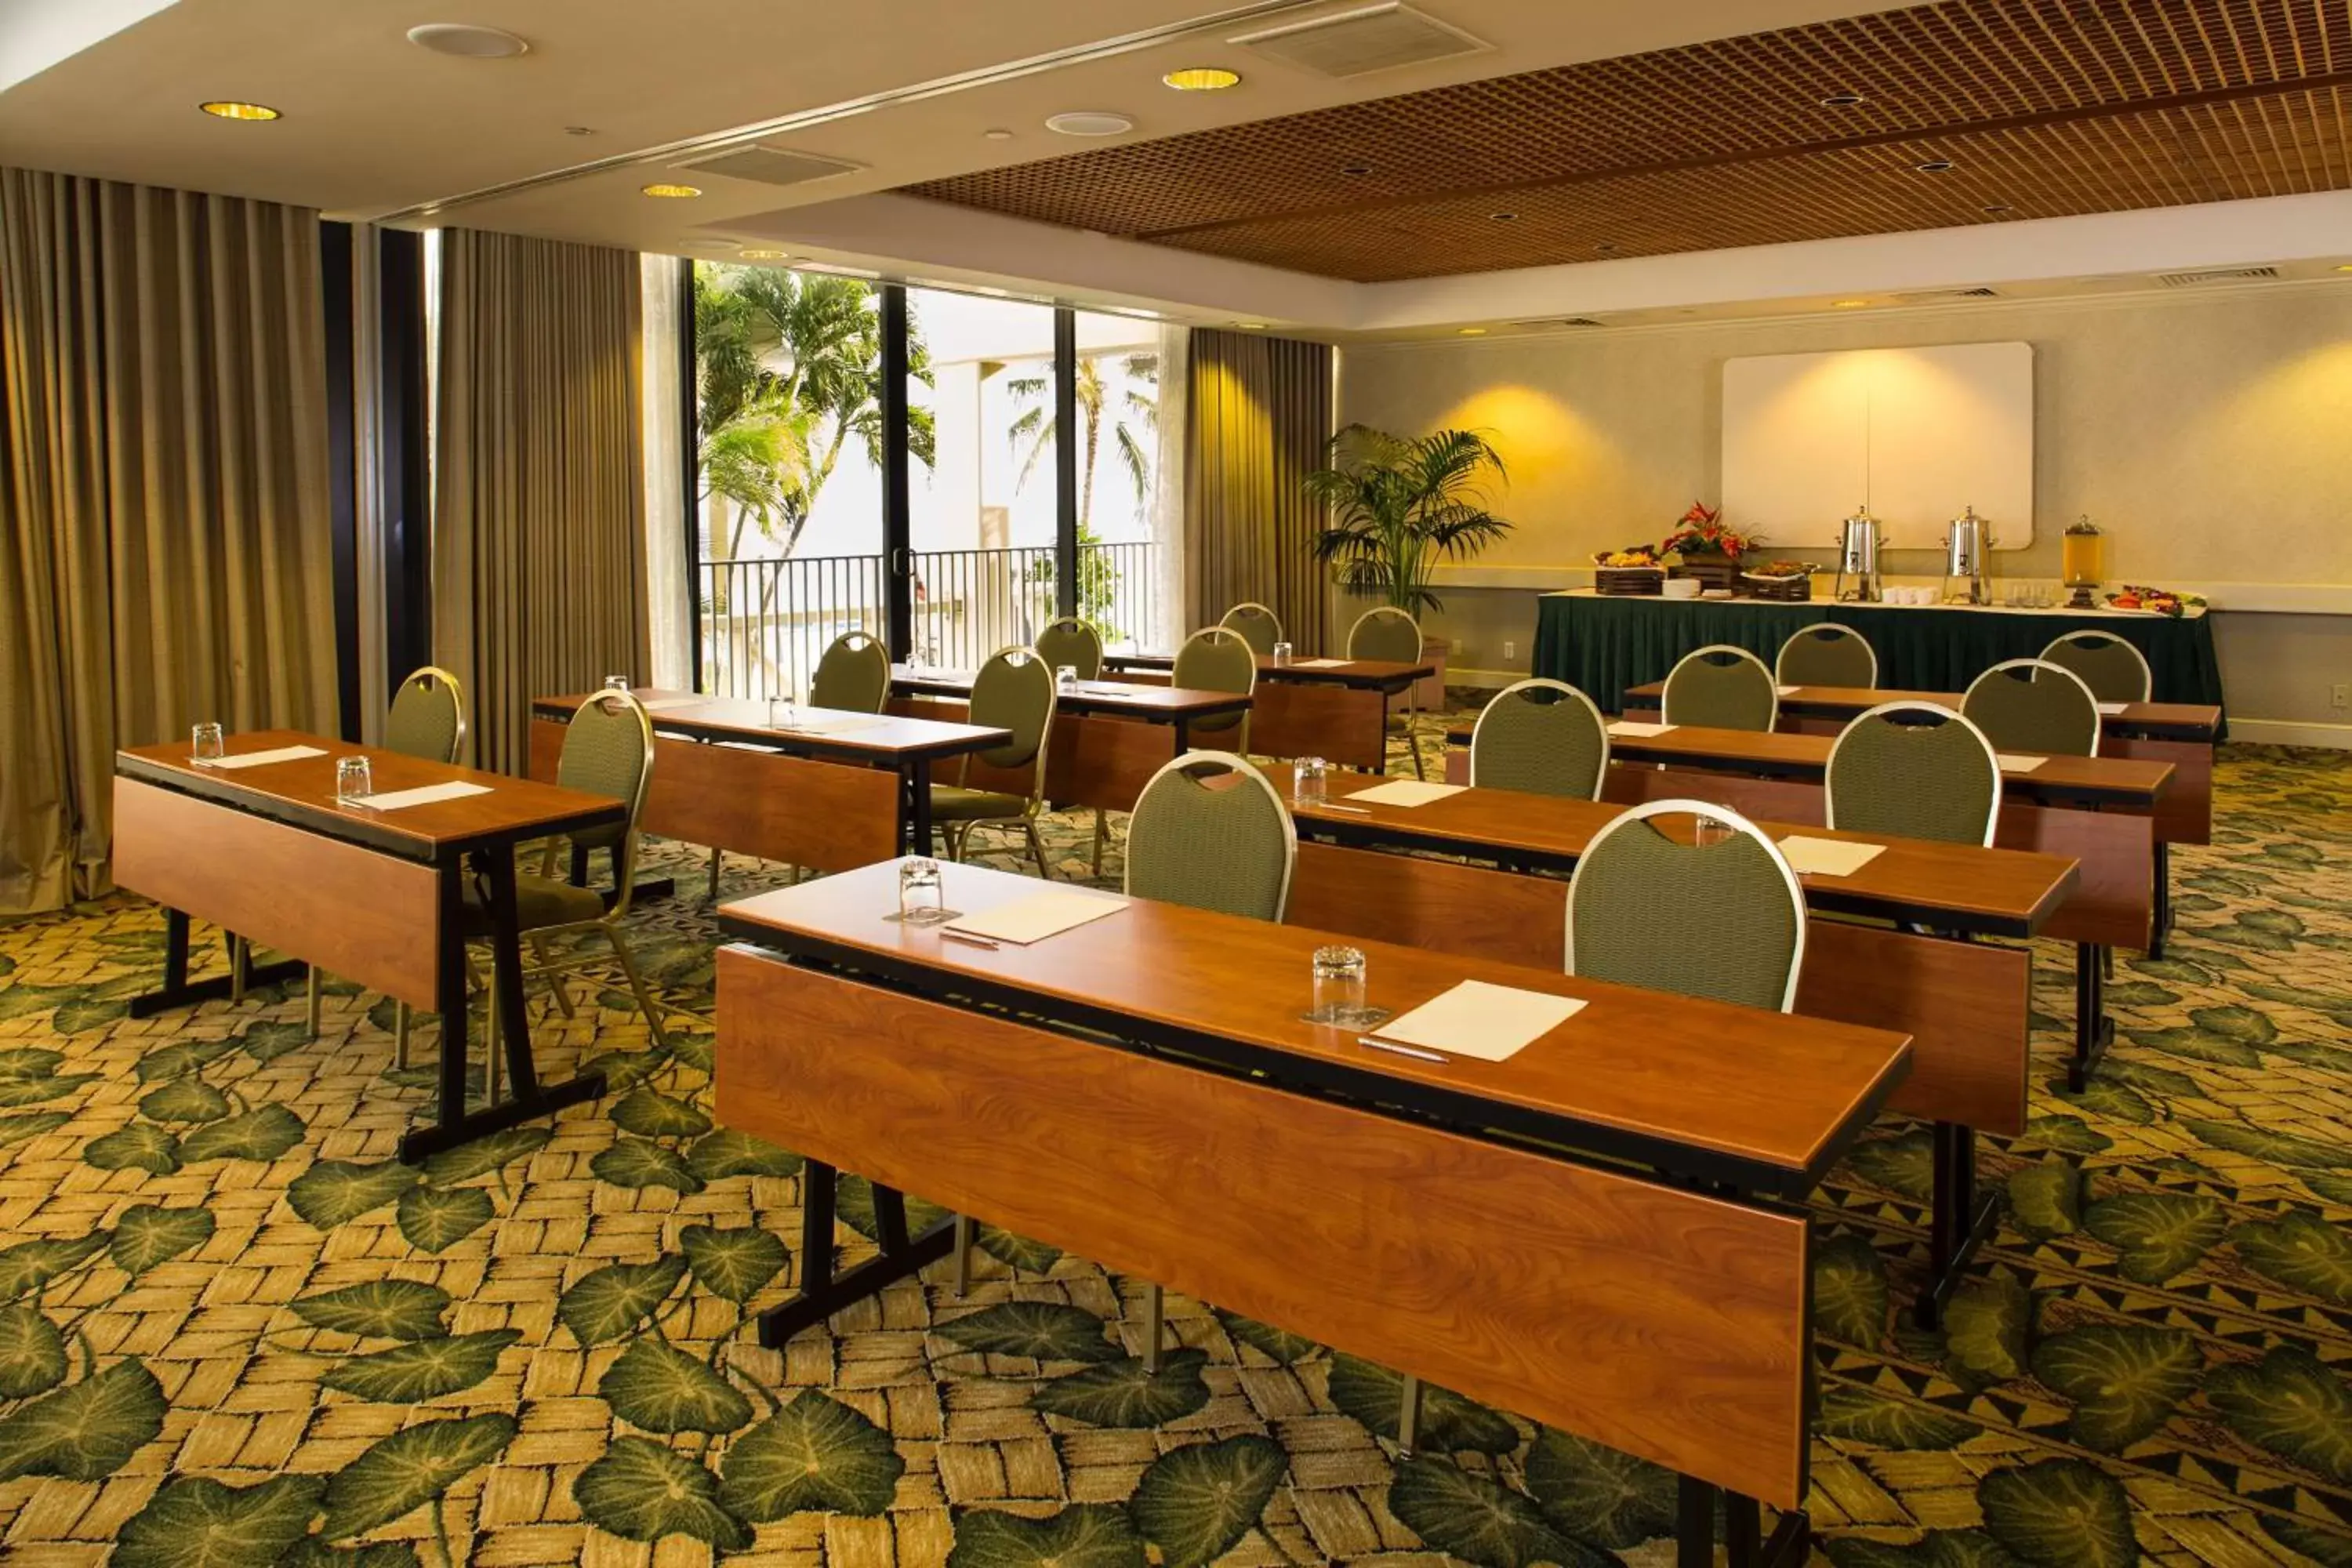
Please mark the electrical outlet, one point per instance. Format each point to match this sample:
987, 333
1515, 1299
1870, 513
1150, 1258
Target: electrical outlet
1510, 651
1456, 645
2340, 694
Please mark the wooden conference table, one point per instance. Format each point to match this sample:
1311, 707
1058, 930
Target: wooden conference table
375, 895
2182, 733
1336, 708
1364, 869
1532, 1232
1109, 737
836, 791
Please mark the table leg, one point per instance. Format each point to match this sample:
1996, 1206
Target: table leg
916, 822
1184, 737
2163, 924
179, 991
529, 1099
2094, 1030
1743, 1533
1961, 1219
1694, 1523
823, 1293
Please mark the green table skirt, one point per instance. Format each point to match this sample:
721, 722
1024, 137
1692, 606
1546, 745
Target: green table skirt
1605, 645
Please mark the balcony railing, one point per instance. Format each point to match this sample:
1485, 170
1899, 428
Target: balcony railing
764, 624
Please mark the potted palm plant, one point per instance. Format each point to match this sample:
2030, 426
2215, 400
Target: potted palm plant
1397, 508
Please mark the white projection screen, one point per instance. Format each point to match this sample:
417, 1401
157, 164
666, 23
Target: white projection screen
1917, 434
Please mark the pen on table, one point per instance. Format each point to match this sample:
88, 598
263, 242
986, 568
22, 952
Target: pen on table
1350, 810
1412, 1051
968, 940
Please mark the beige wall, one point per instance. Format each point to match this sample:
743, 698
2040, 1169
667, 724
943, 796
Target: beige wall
2211, 435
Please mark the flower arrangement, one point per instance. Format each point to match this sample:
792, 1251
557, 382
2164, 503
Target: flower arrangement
1701, 531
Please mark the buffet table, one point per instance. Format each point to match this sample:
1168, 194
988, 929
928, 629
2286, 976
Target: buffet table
1603, 646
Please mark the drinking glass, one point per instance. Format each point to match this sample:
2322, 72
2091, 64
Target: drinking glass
1339, 988
207, 743
1282, 653
922, 899
353, 781
1707, 830
1066, 677
783, 714
616, 683
1310, 780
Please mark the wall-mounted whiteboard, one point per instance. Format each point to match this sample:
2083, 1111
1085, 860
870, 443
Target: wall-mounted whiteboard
1916, 434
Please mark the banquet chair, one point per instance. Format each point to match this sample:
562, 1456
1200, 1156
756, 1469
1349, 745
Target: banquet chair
1013, 690
1826, 655
1541, 737
1074, 642
1259, 626
1390, 635
2112, 666
1914, 770
2032, 705
1721, 686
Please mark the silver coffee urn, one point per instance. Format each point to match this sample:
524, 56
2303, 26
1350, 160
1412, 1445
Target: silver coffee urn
1967, 559
1857, 578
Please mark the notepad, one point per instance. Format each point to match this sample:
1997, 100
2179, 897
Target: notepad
655, 704
424, 794
1407, 792
2113, 708
1491, 1023
1316, 663
259, 759
848, 725
1827, 856
1626, 728
1786, 691
2012, 764
1038, 916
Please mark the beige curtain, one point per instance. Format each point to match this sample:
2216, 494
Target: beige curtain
539, 529
165, 549
1259, 415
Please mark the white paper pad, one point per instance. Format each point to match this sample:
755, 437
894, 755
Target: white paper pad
2011, 763
424, 794
258, 759
846, 726
1407, 792
1786, 691
1492, 1023
2113, 707
1627, 728
655, 704
1037, 917
1828, 856
1316, 663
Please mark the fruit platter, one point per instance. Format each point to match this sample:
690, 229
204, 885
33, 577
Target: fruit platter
1786, 580
1634, 570
2155, 601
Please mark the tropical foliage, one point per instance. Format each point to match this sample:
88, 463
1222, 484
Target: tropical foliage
1397, 507
1119, 391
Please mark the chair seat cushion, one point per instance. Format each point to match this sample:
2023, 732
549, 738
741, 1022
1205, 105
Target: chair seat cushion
952, 802
540, 902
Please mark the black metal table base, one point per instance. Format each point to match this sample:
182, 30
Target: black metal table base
2163, 926
2094, 1030
425, 1142
1745, 1544
179, 991
1959, 1219
823, 1293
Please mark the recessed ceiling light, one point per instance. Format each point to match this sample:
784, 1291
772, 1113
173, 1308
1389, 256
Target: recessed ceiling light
1202, 78
678, 192
229, 108
467, 42
1849, 304
1472, 331
765, 255
1091, 122
2347, 267
1504, 218
997, 134
1250, 326
1843, 101
1936, 166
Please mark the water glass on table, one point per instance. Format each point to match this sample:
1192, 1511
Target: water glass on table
354, 781
616, 683
783, 714
1339, 988
207, 743
1282, 653
922, 894
1310, 780
1066, 677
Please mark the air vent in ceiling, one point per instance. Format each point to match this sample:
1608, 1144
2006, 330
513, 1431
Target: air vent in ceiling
1941, 296
770, 165
2216, 275
1365, 40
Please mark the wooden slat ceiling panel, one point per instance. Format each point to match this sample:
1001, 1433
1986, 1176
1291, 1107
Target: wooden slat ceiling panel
2047, 108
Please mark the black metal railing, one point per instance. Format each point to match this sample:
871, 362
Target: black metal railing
764, 624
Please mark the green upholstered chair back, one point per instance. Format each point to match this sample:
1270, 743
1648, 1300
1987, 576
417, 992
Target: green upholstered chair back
1259, 626
1826, 655
1542, 737
1387, 635
1724, 920
608, 749
1073, 642
427, 718
1721, 688
1915, 770
854, 675
2111, 667
1209, 831
2032, 705
1218, 658
1014, 690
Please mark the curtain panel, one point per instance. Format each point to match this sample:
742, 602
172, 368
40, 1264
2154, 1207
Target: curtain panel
166, 556
538, 498
1259, 416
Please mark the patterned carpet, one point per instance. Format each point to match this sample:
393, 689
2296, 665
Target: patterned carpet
232, 1331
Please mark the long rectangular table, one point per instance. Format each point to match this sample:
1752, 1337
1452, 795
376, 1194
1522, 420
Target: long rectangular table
1334, 709
1366, 868
1596, 1232
378, 897
1109, 737
837, 790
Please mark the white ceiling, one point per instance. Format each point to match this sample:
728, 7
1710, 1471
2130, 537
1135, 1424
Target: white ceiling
376, 128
